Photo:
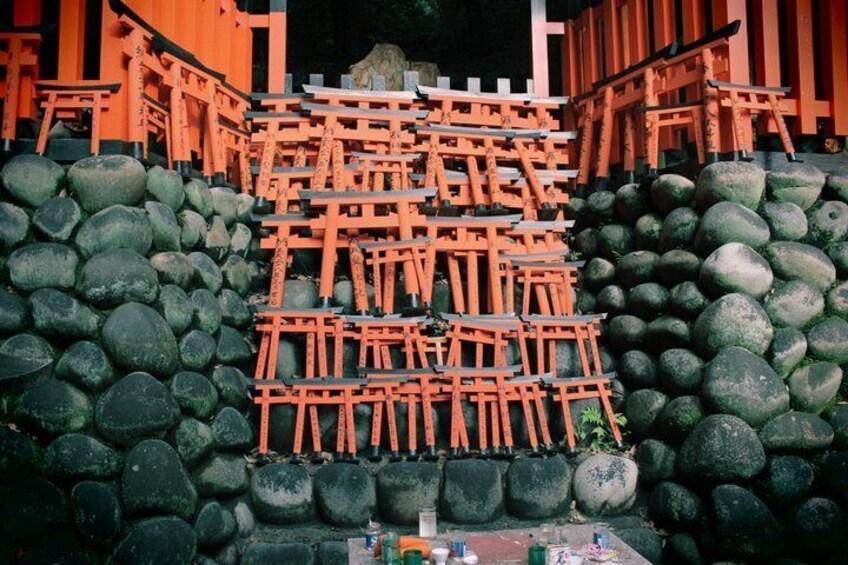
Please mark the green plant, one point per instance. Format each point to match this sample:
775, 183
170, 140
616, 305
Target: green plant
594, 432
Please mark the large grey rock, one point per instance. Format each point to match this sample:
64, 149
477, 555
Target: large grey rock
161, 540
333, 553
221, 476
114, 227
791, 261
207, 270
240, 239
633, 269
786, 220
679, 229
117, 276
58, 314
404, 487
27, 346
711, 452
740, 383
193, 229
214, 525
86, 365
828, 223
300, 294
234, 311
636, 369
838, 420
155, 482
648, 300
828, 341
796, 431
54, 407
105, 180
667, 331
732, 181
821, 526
282, 494
605, 485
744, 525
813, 387
677, 266
97, 512
199, 197
135, 407
166, 186
838, 253
175, 306
787, 479
678, 418
538, 488
193, 440
78, 456
615, 240
57, 218
472, 492
43, 265
232, 431
232, 348
631, 202
14, 225
600, 207
21, 456
139, 339
194, 393
225, 203
217, 244
32, 179
682, 549
728, 222
262, 553
836, 185
735, 267
680, 371
600, 272
647, 232
644, 541
173, 268
13, 312
237, 274
586, 243
345, 495
656, 460
674, 505
798, 183
794, 304
671, 191
207, 311
611, 299
687, 301
787, 350
641, 409
733, 319
627, 332
231, 385
197, 349
163, 223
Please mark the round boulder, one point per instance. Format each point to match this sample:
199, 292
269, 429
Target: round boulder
677, 266
615, 240
674, 505
232, 431
155, 482
794, 304
828, 223
166, 187
786, 220
798, 183
740, 383
821, 526
78, 456
636, 369
173, 268
84, 364
14, 225
787, 350
838, 419
791, 261
116, 276
97, 512
32, 179
54, 407
599, 272
796, 431
631, 202
404, 487
647, 232
728, 222
163, 223
678, 418
197, 349
679, 229
828, 341
633, 269
214, 525
744, 525
139, 339
222, 476
656, 460
788, 479
282, 494
732, 181
105, 180
43, 265
687, 301
58, 314
680, 371
135, 407
627, 332
641, 409
113, 228
57, 218
733, 319
345, 495
175, 306
605, 485
473, 492
157, 540
192, 440
671, 191
538, 488
813, 387
735, 267
195, 394
711, 452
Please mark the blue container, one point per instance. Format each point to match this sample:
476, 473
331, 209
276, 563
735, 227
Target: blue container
457, 548
601, 538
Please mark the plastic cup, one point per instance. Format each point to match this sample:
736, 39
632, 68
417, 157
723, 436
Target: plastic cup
413, 557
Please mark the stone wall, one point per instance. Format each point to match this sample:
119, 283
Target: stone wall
136, 286
728, 305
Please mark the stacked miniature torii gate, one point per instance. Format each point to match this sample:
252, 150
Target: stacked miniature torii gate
405, 185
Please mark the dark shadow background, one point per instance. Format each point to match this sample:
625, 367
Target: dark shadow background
489, 39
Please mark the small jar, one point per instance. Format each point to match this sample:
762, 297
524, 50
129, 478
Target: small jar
427, 524
372, 535
391, 548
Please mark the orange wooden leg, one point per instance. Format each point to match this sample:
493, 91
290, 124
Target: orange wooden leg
49, 109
